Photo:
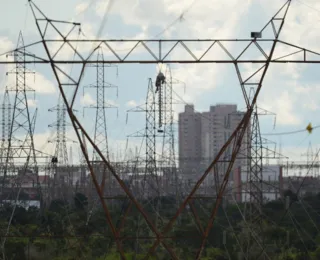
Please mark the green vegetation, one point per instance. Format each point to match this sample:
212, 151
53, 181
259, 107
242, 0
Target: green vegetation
70, 231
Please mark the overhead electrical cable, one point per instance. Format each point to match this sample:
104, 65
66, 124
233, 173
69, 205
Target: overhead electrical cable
309, 128
86, 8
178, 19
307, 5
105, 18
287, 211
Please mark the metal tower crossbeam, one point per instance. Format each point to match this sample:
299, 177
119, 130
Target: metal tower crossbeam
161, 53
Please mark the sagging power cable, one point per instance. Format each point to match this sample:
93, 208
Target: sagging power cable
309, 129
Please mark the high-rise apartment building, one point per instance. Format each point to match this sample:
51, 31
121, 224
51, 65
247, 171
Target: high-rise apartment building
190, 151
201, 136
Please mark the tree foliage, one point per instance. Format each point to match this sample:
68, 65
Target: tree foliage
77, 230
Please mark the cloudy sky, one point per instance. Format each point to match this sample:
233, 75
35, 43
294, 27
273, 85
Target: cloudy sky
290, 90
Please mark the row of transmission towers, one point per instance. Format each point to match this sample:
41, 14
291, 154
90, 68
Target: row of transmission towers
18, 155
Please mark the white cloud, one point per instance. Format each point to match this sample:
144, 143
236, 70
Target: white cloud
87, 100
32, 102
80, 8
41, 84
37, 82
283, 105
42, 139
111, 102
131, 103
136, 103
5, 45
311, 106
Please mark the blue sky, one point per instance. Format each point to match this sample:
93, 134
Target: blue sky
290, 90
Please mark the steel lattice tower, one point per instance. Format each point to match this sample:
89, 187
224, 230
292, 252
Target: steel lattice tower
255, 179
150, 134
60, 170
256, 152
166, 115
253, 215
20, 151
100, 129
6, 124
61, 153
150, 189
310, 159
20, 143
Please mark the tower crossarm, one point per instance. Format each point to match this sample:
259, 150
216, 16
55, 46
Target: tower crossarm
196, 51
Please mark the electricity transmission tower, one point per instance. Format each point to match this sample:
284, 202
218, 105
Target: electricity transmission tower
18, 130
166, 117
6, 123
151, 171
100, 129
160, 54
310, 159
60, 141
151, 182
255, 180
21, 144
150, 187
61, 172
257, 184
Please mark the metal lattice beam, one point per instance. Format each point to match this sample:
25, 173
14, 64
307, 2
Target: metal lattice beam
162, 53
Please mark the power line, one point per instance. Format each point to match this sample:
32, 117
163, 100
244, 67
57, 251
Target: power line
297, 190
292, 132
105, 18
307, 5
179, 18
